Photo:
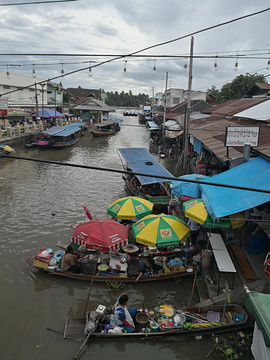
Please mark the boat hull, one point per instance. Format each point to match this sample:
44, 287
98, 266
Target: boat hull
76, 326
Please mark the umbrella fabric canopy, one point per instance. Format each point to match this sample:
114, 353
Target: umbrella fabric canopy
48, 113
185, 190
7, 148
130, 207
101, 234
195, 210
160, 230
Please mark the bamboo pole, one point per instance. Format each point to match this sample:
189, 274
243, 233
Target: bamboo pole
194, 282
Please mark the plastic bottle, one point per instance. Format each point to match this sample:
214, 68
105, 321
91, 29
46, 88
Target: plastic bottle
112, 320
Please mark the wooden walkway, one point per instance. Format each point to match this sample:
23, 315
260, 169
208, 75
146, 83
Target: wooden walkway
242, 261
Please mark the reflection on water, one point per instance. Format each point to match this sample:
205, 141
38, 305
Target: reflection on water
39, 203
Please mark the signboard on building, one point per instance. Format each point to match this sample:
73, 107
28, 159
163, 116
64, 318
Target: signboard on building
3, 106
241, 135
147, 108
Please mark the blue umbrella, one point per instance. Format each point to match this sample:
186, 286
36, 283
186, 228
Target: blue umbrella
185, 190
48, 113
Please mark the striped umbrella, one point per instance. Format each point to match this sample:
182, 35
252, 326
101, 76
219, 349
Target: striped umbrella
104, 235
130, 207
160, 230
195, 210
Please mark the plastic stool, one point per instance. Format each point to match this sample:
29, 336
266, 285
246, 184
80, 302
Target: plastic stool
267, 267
255, 245
266, 258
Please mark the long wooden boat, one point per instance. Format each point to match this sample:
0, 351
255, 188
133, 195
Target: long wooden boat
154, 189
108, 268
57, 137
105, 128
191, 321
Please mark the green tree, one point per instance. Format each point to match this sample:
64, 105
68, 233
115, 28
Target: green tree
237, 88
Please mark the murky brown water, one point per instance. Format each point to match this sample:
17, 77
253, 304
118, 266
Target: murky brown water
38, 204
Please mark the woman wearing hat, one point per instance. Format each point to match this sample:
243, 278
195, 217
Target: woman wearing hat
123, 316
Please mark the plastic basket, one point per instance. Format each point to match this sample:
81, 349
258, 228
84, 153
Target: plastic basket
213, 316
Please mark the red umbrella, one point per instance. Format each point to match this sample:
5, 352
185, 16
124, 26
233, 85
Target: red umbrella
104, 235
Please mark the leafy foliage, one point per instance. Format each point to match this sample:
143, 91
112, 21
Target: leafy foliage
126, 99
237, 88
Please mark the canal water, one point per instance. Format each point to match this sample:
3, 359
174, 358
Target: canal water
39, 203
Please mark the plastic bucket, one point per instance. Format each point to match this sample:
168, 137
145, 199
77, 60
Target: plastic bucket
206, 259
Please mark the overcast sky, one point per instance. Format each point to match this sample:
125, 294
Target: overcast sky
114, 28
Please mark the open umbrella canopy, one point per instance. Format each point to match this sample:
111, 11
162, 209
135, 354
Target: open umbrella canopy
160, 230
130, 207
195, 210
7, 148
49, 113
101, 234
185, 190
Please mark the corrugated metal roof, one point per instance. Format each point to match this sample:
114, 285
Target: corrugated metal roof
141, 161
210, 130
233, 107
260, 112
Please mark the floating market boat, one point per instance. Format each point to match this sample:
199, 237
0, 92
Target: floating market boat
58, 137
154, 189
161, 321
111, 267
105, 128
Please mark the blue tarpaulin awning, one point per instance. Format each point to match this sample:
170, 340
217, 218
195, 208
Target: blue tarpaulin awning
152, 125
141, 161
68, 131
223, 201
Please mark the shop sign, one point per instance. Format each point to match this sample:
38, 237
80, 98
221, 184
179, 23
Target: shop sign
3, 106
241, 135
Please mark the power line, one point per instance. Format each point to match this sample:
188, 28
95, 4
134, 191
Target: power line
37, 2
150, 47
133, 173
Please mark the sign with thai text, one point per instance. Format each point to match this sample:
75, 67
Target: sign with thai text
3, 106
241, 135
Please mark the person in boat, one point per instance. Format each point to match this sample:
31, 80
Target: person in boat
194, 232
69, 261
149, 267
124, 317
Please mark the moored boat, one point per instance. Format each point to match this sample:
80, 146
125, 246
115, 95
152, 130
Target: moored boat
112, 267
105, 128
154, 189
163, 320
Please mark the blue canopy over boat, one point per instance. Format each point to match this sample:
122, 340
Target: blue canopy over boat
223, 201
152, 125
53, 130
141, 161
68, 131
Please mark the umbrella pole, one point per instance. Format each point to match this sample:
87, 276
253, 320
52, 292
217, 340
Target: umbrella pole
91, 285
208, 239
194, 282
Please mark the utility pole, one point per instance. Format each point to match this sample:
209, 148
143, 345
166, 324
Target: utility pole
186, 142
165, 107
36, 100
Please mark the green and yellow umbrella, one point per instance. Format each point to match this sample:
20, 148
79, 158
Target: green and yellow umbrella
160, 230
130, 207
195, 210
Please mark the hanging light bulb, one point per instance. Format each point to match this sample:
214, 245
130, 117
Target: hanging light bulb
215, 64
185, 65
154, 69
62, 70
125, 69
33, 71
236, 64
8, 76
